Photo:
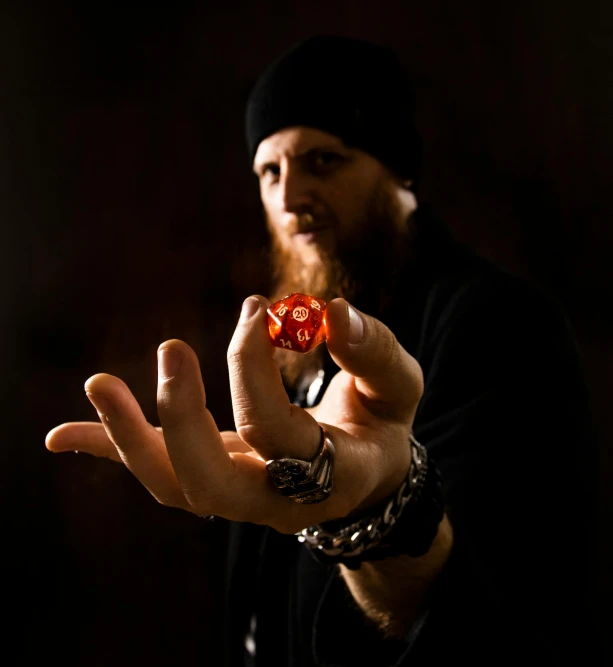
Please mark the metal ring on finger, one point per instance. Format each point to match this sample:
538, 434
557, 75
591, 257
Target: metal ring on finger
305, 482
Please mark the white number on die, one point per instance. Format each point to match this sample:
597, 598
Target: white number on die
300, 313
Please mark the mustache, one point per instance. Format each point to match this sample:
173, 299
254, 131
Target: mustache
306, 222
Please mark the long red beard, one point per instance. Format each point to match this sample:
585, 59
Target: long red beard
364, 272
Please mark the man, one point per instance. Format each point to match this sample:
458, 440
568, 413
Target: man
438, 347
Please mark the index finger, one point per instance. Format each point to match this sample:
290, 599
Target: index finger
264, 416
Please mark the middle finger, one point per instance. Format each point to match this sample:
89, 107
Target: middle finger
195, 446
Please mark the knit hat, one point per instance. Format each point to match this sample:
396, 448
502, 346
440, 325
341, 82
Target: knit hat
355, 90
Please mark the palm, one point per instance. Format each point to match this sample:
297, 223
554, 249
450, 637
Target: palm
188, 463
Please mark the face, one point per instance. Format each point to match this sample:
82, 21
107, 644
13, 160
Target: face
316, 191
339, 219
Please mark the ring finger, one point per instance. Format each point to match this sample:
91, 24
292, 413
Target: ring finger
140, 446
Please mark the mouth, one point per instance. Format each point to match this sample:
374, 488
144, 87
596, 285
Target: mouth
311, 234
309, 228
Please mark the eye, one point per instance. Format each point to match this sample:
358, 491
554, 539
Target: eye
326, 161
270, 171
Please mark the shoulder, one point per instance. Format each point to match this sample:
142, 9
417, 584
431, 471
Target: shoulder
490, 297
465, 294
480, 326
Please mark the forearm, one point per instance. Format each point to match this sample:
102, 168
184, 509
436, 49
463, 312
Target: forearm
391, 591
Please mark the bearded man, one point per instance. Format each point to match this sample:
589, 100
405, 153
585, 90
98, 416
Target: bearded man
448, 407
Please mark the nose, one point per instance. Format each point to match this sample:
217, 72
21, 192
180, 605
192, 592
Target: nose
295, 190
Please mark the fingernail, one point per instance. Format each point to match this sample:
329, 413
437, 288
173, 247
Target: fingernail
250, 307
356, 325
101, 403
169, 362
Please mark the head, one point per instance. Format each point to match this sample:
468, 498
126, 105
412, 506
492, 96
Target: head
337, 216
330, 131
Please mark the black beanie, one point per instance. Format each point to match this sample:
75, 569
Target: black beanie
355, 90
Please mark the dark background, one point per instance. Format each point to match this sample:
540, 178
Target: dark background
128, 216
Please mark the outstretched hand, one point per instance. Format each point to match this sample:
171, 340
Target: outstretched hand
368, 411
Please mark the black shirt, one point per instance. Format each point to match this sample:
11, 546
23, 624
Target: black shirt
505, 417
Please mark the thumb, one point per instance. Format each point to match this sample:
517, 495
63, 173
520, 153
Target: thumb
386, 375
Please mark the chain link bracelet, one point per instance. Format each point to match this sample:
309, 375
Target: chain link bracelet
342, 542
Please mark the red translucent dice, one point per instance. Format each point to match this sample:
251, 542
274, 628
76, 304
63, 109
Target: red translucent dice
296, 322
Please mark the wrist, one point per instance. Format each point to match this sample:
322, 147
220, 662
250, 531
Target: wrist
405, 523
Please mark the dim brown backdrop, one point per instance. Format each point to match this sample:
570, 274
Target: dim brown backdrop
128, 216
